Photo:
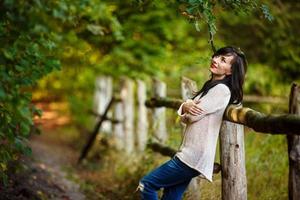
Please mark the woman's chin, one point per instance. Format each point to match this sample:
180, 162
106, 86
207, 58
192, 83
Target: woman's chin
211, 70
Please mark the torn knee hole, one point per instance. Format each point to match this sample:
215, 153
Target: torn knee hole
140, 187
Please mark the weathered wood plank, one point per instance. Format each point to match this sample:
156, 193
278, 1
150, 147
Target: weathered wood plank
168, 151
188, 88
259, 122
274, 124
234, 181
127, 96
294, 147
92, 138
118, 128
142, 123
163, 102
103, 94
159, 113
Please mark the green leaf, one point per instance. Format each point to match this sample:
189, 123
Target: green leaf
18, 144
5, 155
18, 68
53, 63
33, 50
27, 151
24, 129
10, 134
2, 93
266, 12
191, 10
37, 111
4, 178
9, 53
48, 44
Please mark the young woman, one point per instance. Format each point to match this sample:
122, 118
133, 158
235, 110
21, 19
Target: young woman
203, 116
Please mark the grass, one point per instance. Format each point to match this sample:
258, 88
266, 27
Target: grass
109, 174
116, 175
267, 166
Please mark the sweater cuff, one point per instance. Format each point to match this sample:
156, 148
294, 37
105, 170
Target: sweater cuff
179, 111
183, 116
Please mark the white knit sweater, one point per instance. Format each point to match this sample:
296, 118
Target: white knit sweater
199, 142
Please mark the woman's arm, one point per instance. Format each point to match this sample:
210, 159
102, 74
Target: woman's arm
217, 98
189, 107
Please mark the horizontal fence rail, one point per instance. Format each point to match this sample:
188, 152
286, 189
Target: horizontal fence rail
273, 124
148, 129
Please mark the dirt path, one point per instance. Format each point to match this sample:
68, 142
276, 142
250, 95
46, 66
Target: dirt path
48, 173
55, 159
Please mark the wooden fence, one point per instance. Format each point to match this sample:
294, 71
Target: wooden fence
116, 116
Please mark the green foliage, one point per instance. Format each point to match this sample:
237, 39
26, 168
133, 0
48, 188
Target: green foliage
25, 57
274, 44
132, 38
81, 111
198, 10
263, 81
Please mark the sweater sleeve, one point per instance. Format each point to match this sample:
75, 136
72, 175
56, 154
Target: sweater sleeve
183, 116
217, 98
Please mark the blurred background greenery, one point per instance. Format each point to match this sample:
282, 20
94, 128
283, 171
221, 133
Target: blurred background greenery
52, 51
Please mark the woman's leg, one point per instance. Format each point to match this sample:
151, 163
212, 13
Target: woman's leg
174, 176
175, 192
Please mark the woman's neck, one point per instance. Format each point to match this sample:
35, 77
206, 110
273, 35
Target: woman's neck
215, 77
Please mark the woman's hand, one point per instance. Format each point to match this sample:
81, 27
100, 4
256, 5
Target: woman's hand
191, 107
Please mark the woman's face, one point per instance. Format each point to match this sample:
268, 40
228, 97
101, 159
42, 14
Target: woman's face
221, 66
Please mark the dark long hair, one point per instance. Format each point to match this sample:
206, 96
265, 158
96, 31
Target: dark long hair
235, 80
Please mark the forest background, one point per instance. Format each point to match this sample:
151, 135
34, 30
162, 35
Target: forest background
54, 50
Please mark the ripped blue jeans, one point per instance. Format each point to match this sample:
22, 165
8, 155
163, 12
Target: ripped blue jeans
173, 176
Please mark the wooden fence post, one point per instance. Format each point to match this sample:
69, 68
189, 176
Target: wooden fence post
103, 95
118, 128
189, 86
234, 181
159, 114
127, 96
294, 147
142, 123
